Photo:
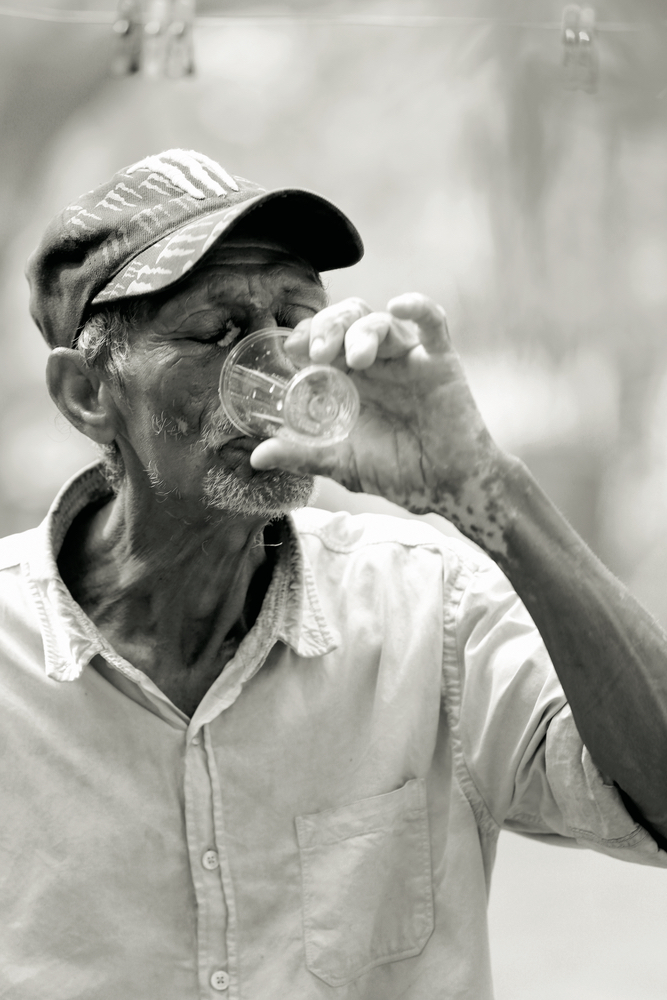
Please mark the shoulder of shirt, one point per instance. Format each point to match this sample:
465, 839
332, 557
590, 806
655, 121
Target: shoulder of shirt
344, 532
14, 547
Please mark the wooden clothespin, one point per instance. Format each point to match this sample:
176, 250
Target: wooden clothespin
156, 26
580, 58
180, 52
128, 29
588, 53
570, 40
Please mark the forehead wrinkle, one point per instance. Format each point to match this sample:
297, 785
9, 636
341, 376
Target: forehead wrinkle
282, 274
252, 250
225, 285
272, 257
200, 298
247, 287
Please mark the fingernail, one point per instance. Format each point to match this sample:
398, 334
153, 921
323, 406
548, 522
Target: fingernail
317, 346
258, 460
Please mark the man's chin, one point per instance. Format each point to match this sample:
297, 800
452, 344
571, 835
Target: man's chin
246, 491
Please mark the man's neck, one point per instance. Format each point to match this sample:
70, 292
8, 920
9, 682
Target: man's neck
172, 594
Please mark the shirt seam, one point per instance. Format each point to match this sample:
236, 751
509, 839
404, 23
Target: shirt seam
341, 548
371, 542
48, 644
630, 839
455, 588
581, 833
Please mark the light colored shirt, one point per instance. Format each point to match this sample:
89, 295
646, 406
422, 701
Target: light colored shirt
325, 824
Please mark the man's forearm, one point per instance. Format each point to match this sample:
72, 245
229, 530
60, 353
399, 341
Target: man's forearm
609, 653
421, 442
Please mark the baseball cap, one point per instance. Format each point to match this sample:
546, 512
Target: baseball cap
151, 223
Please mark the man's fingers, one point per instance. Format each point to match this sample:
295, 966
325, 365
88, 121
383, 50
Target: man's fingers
328, 328
363, 339
281, 453
429, 317
411, 319
297, 345
379, 335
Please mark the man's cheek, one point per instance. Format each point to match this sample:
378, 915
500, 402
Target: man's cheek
182, 417
191, 409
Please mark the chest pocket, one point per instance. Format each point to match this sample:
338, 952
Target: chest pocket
367, 889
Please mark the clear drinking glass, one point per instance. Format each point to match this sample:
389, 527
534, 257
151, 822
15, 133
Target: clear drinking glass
262, 391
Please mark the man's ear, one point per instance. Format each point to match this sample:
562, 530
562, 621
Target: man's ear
81, 395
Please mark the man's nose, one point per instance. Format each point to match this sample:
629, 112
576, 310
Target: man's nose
262, 320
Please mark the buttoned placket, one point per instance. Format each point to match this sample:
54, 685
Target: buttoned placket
291, 613
204, 810
201, 811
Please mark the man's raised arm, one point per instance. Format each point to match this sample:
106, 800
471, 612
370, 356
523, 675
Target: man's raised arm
421, 443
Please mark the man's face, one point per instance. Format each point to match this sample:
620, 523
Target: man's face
172, 422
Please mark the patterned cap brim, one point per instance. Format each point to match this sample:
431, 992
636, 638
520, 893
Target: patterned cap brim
303, 222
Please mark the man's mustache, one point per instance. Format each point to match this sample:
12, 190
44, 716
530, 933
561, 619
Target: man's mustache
218, 430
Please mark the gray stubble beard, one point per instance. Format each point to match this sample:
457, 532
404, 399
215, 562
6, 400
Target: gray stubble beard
271, 493
266, 494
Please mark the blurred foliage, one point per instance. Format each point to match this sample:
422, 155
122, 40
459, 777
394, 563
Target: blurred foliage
536, 214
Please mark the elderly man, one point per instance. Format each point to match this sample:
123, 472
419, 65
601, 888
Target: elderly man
262, 750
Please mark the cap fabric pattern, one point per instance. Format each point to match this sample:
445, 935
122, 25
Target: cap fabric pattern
149, 225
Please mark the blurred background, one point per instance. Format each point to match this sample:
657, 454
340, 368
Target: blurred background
518, 178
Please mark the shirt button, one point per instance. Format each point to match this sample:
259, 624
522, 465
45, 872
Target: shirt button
195, 741
220, 980
210, 860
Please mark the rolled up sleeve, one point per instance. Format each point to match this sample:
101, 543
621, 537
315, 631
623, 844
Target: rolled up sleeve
519, 744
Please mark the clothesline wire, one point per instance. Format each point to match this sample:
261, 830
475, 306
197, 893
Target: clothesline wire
344, 20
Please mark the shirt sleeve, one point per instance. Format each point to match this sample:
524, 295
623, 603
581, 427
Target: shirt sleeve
516, 738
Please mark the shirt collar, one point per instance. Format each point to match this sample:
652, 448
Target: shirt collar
71, 639
304, 626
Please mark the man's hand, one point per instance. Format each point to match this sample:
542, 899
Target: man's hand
420, 440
